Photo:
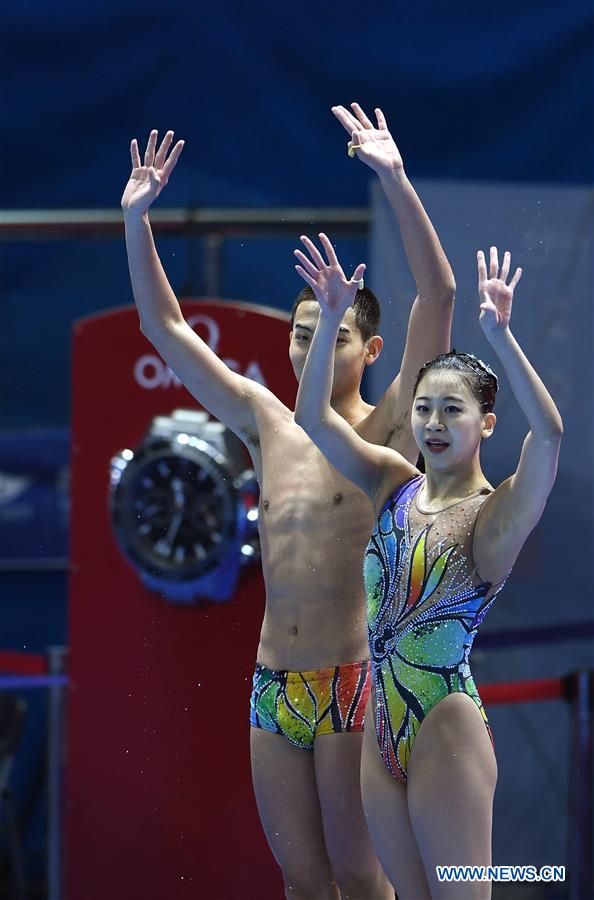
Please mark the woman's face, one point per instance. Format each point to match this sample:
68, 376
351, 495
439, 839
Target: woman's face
447, 421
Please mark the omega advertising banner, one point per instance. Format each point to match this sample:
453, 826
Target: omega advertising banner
159, 802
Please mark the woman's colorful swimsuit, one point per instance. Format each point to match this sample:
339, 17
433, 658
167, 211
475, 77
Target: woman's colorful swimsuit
303, 705
425, 602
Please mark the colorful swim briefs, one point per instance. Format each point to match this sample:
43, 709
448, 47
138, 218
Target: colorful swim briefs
303, 705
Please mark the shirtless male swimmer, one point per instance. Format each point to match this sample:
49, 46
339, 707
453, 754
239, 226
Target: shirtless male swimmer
312, 675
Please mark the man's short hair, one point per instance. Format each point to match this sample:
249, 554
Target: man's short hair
365, 304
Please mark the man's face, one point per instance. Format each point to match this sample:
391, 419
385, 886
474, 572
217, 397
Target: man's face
352, 352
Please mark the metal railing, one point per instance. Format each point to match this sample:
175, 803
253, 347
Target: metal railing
213, 225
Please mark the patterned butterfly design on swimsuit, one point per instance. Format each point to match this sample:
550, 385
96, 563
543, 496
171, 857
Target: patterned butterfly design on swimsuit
303, 705
425, 602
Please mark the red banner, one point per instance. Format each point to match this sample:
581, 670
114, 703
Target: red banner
159, 796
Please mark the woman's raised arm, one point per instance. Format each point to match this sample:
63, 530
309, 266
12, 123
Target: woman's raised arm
513, 510
365, 464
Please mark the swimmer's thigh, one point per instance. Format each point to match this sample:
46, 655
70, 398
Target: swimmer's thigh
386, 810
451, 782
354, 861
286, 793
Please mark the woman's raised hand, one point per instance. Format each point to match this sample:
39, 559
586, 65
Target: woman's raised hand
334, 292
495, 295
147, 181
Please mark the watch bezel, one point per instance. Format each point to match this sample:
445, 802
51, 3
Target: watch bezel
125, 468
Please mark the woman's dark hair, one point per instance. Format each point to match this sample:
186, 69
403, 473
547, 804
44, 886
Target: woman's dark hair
481, 379
365, 304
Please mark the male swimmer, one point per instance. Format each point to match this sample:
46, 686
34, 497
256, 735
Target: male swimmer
311, 681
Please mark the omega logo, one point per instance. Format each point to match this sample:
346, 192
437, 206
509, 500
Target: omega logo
150, 372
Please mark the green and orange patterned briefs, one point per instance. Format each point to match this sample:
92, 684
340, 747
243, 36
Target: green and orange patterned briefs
303, 705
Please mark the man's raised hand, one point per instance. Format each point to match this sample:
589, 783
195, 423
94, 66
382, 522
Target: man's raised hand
147, 181
374, 145
334, 292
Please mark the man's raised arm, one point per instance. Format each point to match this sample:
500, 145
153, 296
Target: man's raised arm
431, 315
227, 395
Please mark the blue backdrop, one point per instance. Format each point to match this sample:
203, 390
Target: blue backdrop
477, 90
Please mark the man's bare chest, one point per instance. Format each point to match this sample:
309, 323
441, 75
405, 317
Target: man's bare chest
300, 488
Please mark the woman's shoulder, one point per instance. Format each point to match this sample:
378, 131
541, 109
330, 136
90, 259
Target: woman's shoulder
403, 492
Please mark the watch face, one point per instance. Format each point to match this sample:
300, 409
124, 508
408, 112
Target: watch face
174, 508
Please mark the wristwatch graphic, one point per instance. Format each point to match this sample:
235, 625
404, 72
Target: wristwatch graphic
184, 507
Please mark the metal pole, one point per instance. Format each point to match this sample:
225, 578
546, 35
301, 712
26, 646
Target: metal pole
55, 766
213, 246
580, 818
